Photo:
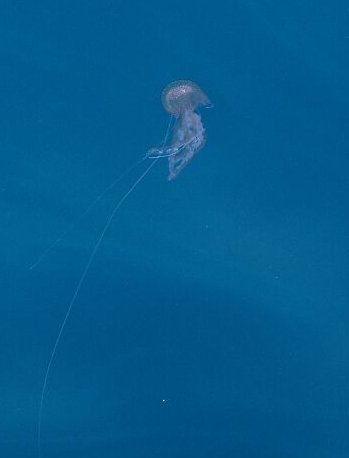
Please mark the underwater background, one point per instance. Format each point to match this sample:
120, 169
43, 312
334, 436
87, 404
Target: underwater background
214, 319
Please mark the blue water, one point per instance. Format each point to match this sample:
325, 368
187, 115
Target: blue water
213, 321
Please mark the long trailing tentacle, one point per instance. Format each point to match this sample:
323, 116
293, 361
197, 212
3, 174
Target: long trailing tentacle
79, 285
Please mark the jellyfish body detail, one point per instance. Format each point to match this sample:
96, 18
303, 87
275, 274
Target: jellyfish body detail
182, 99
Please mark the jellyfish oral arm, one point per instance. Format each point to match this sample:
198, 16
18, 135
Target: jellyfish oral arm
189, 138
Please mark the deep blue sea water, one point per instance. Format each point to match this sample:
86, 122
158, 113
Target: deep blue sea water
214, 319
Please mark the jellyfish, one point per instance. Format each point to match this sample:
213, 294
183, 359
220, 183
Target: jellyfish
182, 99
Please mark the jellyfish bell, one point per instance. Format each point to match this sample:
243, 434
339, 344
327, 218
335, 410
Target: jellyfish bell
183, 95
